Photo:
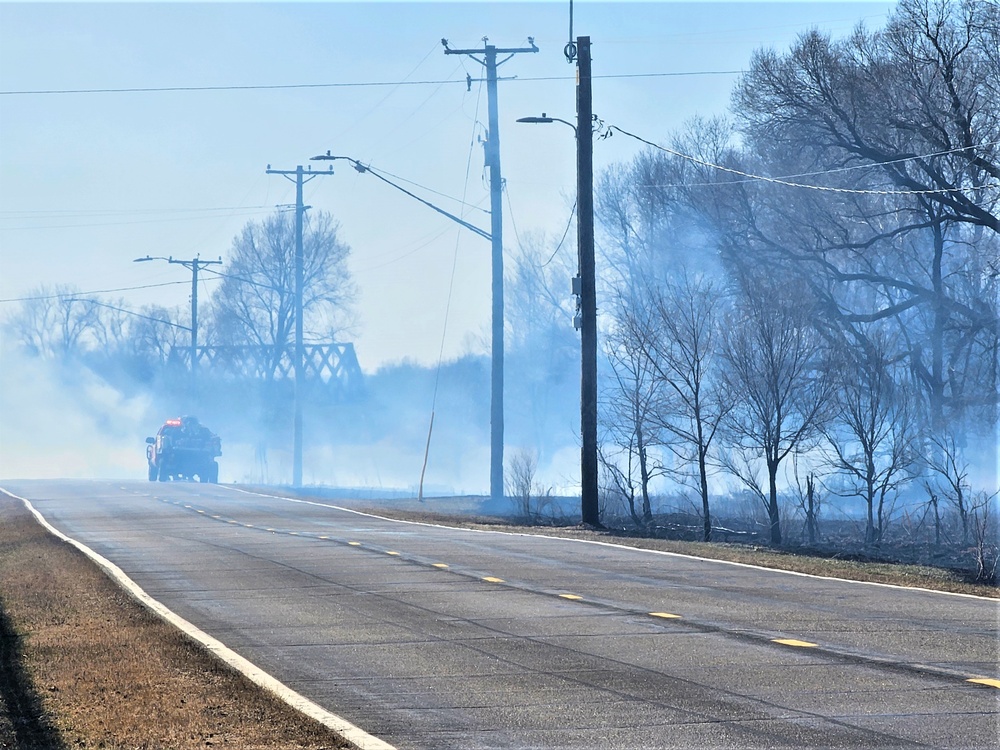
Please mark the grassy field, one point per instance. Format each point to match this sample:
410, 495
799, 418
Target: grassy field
82, 665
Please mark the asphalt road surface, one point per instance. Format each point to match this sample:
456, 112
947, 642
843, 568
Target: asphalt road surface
431, 637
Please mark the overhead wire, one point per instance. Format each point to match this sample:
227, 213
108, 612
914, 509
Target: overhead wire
132, 313
347, 84
780, 181
97, 291
447, 308
358, 120
836, 170
173, 217
513, 223
400, 122
569, 223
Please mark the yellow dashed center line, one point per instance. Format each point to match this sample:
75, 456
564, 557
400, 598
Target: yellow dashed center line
793, 642
988, 682
985, 681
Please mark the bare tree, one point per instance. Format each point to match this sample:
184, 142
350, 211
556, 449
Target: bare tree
948, 474
155, 332
54, 322
782, 386
255, 304
631, 406
529, 498
902, 130
911, 100
681, 341
873, 433
986, 546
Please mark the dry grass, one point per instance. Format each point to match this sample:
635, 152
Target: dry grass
82, 665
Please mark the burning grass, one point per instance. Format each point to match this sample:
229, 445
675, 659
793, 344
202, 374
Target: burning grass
82, 665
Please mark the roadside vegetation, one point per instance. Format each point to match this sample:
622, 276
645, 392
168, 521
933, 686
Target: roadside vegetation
83, 665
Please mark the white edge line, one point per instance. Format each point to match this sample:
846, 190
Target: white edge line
255, 674
622, 546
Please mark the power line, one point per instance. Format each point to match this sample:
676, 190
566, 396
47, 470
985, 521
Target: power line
787, 183
85, 225
345, 84
569, 223
83, 212
835, 170
98, 291
130, 312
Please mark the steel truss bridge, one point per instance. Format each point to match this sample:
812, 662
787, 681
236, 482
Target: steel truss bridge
332, 366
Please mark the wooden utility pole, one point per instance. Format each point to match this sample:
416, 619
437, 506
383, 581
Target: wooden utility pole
489, 61
300, 178
590, 511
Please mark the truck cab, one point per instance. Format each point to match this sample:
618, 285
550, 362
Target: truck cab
183, 448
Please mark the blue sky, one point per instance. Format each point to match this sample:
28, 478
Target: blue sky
89, 181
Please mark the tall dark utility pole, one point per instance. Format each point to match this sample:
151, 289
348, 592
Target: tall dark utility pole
585, 282
301, 177
489, 61
588, 284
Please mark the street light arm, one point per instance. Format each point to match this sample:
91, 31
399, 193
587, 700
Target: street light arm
363, 169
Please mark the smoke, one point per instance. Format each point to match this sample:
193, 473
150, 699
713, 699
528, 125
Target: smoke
63, 421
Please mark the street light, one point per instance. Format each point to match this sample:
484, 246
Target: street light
193, 265
545, 120
585, 283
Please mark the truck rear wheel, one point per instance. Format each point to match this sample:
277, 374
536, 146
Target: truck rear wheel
163, 476
153, 473
213, 473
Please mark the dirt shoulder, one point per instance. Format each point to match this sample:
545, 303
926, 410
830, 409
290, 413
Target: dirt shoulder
82, 665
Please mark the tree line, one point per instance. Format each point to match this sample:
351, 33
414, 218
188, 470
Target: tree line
813, 278
252, 305
799, 297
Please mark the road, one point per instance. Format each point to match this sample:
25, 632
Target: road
432, 637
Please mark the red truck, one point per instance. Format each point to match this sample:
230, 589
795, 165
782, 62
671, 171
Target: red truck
183, 449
